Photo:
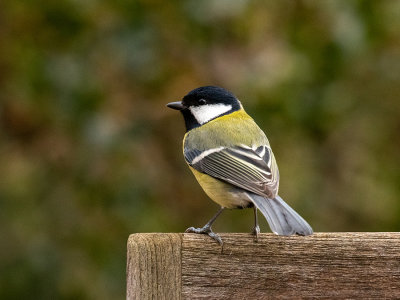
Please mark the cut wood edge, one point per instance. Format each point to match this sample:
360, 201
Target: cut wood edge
154, 266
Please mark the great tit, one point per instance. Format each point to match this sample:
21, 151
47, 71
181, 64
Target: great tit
232, 160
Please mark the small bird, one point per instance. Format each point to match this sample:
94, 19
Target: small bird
232, 160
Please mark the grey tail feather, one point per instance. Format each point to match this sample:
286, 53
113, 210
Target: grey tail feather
282, 219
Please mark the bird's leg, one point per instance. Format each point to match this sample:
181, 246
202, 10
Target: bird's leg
207, 228
256, 229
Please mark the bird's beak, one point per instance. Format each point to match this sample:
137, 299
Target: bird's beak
176, 105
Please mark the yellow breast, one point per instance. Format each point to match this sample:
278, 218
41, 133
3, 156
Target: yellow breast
220, 192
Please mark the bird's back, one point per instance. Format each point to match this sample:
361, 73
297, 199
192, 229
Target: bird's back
227, 134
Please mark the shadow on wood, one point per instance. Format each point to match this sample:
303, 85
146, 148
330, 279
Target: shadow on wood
326, 265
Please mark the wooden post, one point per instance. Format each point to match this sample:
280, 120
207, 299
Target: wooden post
324, 265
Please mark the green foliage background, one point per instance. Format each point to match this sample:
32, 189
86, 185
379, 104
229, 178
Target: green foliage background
89, 153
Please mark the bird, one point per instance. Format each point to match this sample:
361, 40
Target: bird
232, 160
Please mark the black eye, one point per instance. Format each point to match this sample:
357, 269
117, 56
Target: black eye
202, 101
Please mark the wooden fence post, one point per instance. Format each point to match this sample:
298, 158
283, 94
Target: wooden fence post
324, 265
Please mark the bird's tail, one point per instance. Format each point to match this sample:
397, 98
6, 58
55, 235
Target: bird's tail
282, 219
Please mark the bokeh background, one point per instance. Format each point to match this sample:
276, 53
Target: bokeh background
90, 154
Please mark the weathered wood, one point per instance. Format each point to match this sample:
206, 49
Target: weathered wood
154, 266
324, 265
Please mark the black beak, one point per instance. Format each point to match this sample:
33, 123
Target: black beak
176, 105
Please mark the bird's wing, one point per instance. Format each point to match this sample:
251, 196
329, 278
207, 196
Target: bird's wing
253, 169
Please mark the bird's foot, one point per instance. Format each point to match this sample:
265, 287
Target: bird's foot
256, 232
206, 230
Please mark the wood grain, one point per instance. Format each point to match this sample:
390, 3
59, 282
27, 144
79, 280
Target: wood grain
324, 265
154, 266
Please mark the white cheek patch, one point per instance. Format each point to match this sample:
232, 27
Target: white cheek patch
205, 113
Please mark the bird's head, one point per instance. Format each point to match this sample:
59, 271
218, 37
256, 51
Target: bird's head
204, 104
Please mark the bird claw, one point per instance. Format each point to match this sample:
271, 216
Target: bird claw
256, 232
205, 230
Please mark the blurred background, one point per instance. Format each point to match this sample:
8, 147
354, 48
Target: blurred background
90, 154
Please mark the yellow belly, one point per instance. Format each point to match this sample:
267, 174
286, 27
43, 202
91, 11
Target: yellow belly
220, 192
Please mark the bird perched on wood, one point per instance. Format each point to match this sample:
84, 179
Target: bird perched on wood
232, 160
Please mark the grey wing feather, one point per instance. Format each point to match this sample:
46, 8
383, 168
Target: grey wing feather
191, 154
254, 170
